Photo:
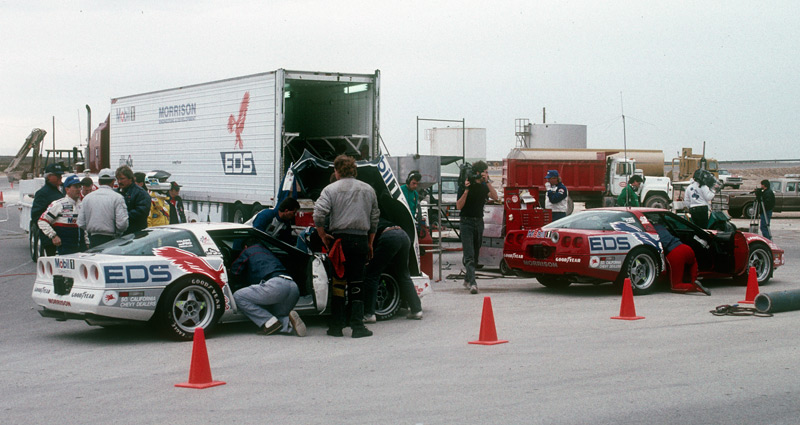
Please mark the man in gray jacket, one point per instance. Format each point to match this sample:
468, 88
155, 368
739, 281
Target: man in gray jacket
103, 215
352, 208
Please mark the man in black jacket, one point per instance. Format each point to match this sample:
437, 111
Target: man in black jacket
767, 200
176, 211
41, 200
136, 199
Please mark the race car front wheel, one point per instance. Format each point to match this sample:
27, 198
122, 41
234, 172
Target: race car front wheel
761, 259
642, 267
187, 304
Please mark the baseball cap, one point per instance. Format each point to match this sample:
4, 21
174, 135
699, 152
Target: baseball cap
551, 174
174, 186
71, 180
106, 174
55, 168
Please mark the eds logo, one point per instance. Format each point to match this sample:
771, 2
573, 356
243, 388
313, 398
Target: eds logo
238, 162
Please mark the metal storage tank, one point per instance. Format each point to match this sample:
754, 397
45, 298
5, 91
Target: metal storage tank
451, 141
559, 136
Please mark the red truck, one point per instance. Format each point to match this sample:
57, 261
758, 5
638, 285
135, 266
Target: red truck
593, 176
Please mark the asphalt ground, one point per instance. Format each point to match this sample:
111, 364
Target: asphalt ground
566, 361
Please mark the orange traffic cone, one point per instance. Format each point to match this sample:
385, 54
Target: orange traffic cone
627, 311
200, 371
1, 200
488, 335
752, 287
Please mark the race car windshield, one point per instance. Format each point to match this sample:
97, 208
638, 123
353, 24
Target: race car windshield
143, 242
595, 220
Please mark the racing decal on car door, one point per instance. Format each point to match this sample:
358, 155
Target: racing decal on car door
191, 263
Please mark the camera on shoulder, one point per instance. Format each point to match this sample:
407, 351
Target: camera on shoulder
467, 172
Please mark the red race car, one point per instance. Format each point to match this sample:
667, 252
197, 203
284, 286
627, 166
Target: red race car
610, 244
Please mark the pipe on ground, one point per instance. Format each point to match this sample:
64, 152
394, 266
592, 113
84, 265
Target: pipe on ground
777, 302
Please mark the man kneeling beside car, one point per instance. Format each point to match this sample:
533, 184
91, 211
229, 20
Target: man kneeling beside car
270, 295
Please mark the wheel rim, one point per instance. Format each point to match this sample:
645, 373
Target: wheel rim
238, 216
193, 307
387, 296
658, 202
761, 260
749, 210
642, 272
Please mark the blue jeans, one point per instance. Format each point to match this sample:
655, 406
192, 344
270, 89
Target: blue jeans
471, 238
270, 298
390, 253
766, 219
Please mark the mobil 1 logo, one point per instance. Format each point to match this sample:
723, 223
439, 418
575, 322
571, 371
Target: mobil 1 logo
238, 163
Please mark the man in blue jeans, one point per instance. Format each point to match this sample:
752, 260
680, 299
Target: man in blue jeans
390, 252
767, 200
471, 199
270, 294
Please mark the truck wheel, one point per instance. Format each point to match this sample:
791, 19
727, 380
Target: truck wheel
642, 268
749, 210
657, 201
553, 282
736, 186
239, 214
570, 205
388, 298
761, 259
188, 304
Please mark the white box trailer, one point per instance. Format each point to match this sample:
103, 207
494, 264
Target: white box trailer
229, 142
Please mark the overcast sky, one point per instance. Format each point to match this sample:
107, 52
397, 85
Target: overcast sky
724, 72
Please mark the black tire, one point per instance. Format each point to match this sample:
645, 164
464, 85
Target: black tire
553, 282
736, 186
570, 206
657, 201
761, 258
505, 270
749, 210
643, 268
188, 303
388, 298
239, 214
735, 213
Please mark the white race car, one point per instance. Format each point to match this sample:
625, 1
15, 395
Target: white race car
174, 276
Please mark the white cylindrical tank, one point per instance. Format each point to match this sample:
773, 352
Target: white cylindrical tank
558, 136
452, 141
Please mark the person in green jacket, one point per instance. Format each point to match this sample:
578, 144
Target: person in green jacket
628, 197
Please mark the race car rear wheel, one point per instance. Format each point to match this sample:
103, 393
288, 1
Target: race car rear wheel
761, 259
553, 282
33, 244
187, 304
388, 298
505, 270
642, 268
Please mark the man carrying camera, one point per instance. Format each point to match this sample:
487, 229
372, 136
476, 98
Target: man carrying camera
699, 196
471, 199
765, 199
